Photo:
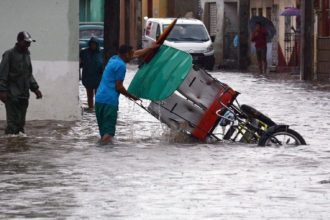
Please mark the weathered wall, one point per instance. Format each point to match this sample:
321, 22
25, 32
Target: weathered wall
159, 8
54, 24
180, 8
219, 38
218, 43
130, 23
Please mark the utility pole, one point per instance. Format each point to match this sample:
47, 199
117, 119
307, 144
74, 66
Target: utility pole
150, 9
111, 27
307, 30
243, 34
128, 24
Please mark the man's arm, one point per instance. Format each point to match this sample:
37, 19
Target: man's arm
121, 89
34, 87
143, 52
4, 72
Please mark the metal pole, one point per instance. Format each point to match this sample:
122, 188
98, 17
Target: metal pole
243, 34
128, 25
111, 27
307, 41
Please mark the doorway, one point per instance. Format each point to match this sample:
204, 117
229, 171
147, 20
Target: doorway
231, 24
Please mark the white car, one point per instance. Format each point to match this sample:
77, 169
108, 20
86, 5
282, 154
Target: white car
189, 35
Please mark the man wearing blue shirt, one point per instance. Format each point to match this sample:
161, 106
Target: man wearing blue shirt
111, 86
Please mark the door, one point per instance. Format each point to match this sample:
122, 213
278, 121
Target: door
210, 18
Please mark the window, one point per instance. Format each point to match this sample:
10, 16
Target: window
153, 30
84, 10
260, 11
158, 31
188, 32
90, 32
253, 12
210, 17
148, 29
91, 10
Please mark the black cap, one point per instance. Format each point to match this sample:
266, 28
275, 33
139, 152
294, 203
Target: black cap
24, 35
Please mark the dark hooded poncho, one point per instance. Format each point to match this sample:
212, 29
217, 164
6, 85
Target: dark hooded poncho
91, 63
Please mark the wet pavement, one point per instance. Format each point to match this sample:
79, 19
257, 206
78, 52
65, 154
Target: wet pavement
58, 171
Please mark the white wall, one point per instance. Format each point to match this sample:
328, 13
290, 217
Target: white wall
55, 26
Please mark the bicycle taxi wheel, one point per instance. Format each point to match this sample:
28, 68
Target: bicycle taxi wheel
281, 136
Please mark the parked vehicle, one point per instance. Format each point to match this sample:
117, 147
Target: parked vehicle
189, 35
88, 30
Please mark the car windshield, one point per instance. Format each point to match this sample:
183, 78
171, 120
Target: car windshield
88, 33
188, 32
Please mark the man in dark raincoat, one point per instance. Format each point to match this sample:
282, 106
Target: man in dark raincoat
91, 62
16, 79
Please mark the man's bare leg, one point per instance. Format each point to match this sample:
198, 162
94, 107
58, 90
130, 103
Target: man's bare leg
260, 66
265, 66
90, 99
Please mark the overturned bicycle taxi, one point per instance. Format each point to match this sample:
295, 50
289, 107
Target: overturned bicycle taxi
187, 98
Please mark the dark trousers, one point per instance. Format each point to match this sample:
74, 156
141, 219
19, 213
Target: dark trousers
16, 113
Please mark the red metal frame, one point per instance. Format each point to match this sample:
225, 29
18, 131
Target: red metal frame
225, 97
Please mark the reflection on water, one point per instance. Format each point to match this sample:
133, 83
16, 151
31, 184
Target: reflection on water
58, 170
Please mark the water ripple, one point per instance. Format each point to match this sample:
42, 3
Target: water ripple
58, 171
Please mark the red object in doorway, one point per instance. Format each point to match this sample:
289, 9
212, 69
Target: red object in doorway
281, 58
295, 56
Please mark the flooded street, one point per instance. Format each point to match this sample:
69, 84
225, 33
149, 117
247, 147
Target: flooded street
58, 171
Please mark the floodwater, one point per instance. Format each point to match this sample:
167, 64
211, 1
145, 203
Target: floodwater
58, 171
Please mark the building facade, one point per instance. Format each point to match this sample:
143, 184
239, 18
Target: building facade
54, 55
322, 40
284, 51
91, 10
130, 20
221, 18
170, 8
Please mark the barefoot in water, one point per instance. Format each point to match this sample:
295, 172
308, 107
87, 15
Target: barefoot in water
106, 139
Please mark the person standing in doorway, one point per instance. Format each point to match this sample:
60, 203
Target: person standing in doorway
259, 37
111, 86
16, 79
91, 61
